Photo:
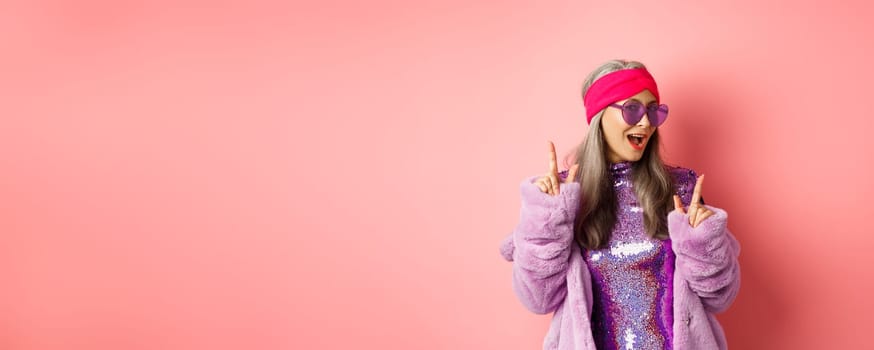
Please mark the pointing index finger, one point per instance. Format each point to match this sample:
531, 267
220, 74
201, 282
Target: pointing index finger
553, 166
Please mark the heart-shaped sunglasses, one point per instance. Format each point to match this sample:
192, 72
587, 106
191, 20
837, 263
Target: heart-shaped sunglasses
633, 111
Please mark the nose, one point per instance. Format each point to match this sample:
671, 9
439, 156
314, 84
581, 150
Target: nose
644, 121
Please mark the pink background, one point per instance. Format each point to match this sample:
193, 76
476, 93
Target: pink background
249, 174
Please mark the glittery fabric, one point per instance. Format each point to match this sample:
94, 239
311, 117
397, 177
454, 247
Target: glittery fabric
551, 276
632, 278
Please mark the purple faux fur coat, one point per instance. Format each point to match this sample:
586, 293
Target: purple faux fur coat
550, 275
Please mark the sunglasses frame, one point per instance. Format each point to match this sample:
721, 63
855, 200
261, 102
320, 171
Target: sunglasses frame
651, 110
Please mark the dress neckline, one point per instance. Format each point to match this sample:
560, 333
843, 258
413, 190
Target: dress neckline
620, 166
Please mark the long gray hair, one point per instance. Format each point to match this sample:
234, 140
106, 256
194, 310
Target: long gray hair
651, 180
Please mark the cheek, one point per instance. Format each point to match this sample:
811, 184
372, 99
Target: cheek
614, 130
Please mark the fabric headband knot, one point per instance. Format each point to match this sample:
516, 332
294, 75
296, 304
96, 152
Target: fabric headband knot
616, 86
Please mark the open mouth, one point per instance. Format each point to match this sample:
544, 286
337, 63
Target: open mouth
637, 141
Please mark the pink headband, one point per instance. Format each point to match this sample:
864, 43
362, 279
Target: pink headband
616, 86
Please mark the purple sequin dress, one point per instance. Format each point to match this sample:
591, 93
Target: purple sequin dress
632, 278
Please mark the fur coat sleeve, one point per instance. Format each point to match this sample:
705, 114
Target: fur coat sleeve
540, 245
707, 257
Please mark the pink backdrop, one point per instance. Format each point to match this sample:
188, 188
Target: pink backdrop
258, 175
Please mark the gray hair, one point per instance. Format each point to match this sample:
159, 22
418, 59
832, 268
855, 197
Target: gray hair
651, 180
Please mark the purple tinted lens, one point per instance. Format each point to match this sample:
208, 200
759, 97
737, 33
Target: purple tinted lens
657, 114
632, 111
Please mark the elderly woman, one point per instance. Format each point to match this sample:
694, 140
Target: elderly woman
621, 247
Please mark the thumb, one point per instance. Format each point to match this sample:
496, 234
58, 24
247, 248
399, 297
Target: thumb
678, 205
572, 173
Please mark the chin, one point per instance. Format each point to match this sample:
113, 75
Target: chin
634, 158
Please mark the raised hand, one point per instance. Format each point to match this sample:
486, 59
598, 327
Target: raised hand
549, 183
697, 211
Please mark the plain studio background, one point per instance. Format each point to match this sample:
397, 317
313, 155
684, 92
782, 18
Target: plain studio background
249, 174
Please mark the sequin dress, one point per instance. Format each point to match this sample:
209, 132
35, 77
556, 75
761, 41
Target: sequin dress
632, 278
